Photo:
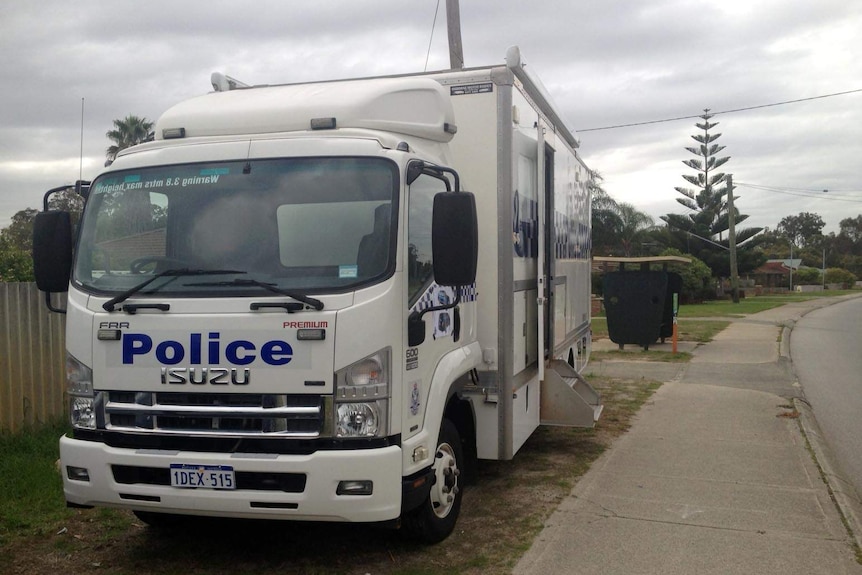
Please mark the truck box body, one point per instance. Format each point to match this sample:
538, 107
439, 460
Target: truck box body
253, 325
504, 176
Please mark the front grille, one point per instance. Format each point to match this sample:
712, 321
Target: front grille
249, 480
214, 414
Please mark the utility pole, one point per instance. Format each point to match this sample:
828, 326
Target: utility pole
453, 25
731, 237
823, 270
791, 265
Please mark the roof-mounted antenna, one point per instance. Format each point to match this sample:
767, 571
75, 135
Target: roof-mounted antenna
223, 83
81, 162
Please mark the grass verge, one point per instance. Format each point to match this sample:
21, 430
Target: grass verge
502, 512
700, 331
32, 502
637, 354
726, 308
749, 305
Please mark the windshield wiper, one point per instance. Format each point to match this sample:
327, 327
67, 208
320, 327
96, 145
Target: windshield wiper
241, 282
110, 305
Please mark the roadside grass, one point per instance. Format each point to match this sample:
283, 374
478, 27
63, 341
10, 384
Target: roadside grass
641, 355
747, 305
726, 308
32, 502
502, 512
752, 304
697, 330
695, 321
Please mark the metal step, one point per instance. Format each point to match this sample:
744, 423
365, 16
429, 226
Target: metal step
567, 399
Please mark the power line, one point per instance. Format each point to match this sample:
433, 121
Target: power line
431, 39
818, 193
813, 194
722, 112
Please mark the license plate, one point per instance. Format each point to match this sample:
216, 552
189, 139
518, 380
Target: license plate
202, 476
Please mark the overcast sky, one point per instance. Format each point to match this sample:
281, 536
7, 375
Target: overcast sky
605, 63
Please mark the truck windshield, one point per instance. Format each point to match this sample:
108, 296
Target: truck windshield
310, 225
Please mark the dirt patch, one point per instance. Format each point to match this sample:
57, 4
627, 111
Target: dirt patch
502, 512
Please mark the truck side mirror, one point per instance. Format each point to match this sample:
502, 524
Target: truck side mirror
52, 250
454, 238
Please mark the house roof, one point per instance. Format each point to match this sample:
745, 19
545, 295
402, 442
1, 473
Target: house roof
795, 263
778, 267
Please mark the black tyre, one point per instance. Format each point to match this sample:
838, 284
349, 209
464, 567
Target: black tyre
434, 520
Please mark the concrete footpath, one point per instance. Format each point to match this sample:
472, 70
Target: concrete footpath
722, 472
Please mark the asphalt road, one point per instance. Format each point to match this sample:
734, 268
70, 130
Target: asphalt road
826, 348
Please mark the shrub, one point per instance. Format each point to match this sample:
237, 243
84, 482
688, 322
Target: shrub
696, 277
808, 276
15, 265
840, 276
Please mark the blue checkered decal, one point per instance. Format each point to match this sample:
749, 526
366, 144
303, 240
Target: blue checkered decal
468, 293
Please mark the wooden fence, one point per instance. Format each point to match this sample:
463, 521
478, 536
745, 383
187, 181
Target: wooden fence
32, 358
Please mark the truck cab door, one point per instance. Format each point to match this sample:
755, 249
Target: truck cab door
437, 332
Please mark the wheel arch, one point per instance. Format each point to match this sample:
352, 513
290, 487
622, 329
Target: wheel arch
460, 412
449, 374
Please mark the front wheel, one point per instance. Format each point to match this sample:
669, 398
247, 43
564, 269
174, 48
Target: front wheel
434, 520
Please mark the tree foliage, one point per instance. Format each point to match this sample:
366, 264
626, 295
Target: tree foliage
851, 228
127, 132
696, 277
804, 230
840, 276
19, 234
807, 276
840, 251
844, 250
773, 245
618, 227
706, 199
604, 216
702, 231
16, 265
16, 240
634, 224
68, 200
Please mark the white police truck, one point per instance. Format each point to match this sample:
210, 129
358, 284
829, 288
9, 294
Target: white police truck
285, 305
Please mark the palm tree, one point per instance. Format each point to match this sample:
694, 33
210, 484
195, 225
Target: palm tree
127, 132
605, 217
615, 224
633, 226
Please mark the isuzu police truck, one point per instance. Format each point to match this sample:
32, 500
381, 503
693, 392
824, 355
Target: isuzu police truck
287, 305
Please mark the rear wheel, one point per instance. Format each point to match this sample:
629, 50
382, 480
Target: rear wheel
435, 518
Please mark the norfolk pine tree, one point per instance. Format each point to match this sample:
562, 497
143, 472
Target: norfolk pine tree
703, 231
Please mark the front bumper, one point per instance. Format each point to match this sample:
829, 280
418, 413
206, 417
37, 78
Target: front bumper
317, 500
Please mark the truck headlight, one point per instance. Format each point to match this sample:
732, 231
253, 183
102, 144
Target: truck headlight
357, 419
79, 386
362, 397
